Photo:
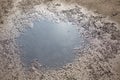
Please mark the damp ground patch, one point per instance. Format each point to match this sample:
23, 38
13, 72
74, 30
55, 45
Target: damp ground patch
51, 44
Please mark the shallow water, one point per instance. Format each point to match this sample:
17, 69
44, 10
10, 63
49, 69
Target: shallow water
50, 43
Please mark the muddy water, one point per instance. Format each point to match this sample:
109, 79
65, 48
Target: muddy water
50, 43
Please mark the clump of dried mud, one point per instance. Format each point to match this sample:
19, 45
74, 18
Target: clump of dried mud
97, 61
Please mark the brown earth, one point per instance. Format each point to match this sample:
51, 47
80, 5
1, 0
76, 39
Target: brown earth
109, 8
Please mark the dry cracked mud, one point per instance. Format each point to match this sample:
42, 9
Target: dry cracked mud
99, 60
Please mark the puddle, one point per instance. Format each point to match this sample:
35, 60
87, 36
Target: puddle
50, 43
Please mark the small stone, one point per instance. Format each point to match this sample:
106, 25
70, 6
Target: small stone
115, 14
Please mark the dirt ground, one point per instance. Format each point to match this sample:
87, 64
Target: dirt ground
99, 60
110, 8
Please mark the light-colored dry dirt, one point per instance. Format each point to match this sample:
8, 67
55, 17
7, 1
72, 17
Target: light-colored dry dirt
110, 8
